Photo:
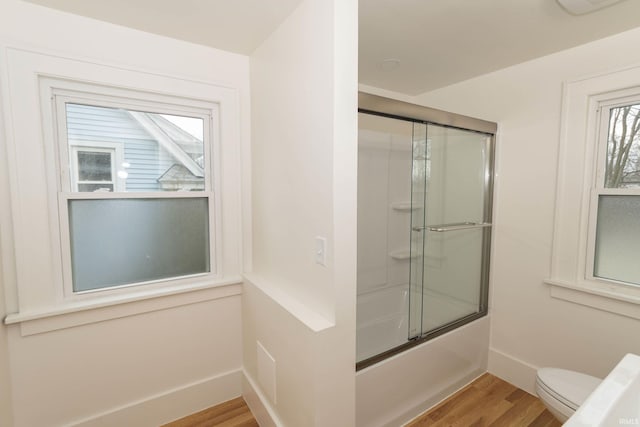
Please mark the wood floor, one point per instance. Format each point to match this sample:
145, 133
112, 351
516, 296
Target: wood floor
234, 413
488, 401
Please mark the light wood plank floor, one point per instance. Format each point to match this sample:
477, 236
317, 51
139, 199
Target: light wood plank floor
488, 401
234, 413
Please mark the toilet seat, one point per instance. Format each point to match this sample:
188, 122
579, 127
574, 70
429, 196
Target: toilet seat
564, 390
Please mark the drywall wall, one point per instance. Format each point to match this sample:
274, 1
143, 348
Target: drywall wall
142, 368
292, 177
530, 328
6, 411
304, 166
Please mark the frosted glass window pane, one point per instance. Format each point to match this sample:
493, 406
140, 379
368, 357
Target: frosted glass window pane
618, 239
122, 241
94, 166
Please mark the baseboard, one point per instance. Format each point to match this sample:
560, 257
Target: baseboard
513, 370
260, 406
171, 405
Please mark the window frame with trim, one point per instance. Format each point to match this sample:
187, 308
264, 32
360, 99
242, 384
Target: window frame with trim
64, 93
600, 189
582, 157
41, 298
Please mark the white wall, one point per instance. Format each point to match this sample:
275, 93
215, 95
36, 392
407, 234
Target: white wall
304, 170
6, 411
142, 369
529, 328
292, 132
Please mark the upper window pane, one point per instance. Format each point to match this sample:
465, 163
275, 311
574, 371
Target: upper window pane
134, 150
623, 147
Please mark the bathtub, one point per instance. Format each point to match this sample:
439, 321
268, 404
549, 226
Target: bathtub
395, 390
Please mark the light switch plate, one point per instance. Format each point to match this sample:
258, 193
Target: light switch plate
321, 251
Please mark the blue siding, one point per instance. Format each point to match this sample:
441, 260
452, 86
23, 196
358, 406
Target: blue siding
102, 124
148, 161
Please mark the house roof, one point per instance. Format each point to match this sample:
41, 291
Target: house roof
173, 139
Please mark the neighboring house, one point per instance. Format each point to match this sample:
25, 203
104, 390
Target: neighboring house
114, 149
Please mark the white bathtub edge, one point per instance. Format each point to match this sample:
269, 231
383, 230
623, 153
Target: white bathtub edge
411, 389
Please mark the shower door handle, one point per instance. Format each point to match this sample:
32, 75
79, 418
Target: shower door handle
440, 228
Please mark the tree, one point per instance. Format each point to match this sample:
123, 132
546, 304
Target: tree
623, 149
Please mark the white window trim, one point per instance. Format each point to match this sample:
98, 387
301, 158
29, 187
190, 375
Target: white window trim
69, 92
606, 103
40, 302
571, 276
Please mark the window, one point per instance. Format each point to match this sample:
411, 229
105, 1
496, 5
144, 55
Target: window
93, 167
126, 191
597, 222
135, 196
615, 216
94, 170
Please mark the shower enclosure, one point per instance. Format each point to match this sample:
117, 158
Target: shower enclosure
424, 224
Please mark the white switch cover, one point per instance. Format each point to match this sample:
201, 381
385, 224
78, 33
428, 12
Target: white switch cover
321, 251
266, 372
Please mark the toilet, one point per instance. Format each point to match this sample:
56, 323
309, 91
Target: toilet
563, 391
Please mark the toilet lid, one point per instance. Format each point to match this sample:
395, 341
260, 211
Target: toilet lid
569, 387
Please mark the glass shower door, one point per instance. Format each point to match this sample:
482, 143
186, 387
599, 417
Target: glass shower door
450, 227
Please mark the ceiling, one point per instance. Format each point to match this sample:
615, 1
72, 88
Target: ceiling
233, 25
407, 46
441, 42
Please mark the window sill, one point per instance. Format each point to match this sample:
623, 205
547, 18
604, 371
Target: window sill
78, 313
606, 297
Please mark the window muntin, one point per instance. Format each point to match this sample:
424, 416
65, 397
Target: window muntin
615, 202
143, 172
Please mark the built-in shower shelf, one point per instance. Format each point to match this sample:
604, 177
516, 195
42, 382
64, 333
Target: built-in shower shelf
403, 206
401, 255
